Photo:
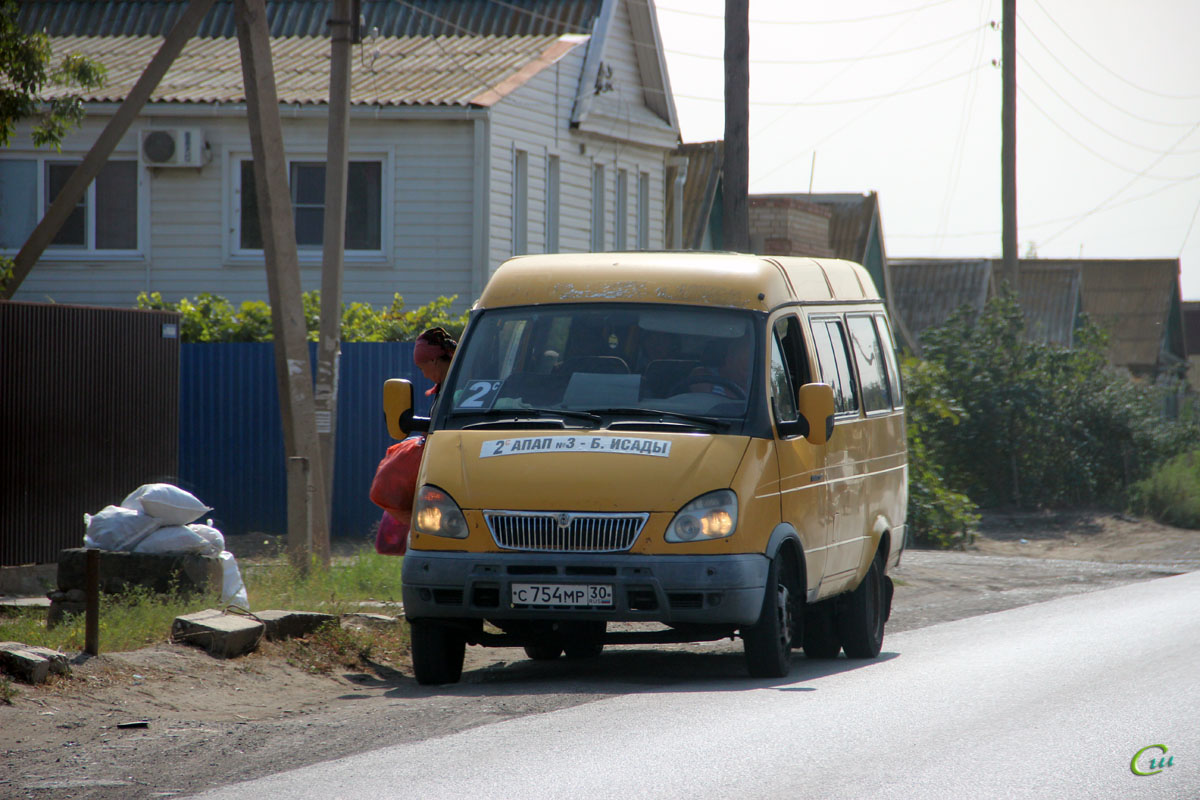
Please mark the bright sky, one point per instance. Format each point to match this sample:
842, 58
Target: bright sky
901, 97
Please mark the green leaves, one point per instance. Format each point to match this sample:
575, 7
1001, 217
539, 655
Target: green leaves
30, 88
212, 318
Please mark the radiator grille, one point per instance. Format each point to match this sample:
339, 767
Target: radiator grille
564, 532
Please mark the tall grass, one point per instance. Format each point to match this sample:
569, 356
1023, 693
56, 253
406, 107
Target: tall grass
1171, 493
138, 617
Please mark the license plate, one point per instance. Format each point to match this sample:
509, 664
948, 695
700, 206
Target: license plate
562, 594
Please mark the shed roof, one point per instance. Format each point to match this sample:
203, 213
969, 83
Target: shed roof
1132, 299
1049, 300
416, 70
925, 292
308, 17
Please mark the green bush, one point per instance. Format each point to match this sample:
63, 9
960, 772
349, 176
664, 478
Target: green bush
1036, 424
1171, 492
212, 318
937, 515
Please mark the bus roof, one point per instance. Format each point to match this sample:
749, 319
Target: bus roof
733, 280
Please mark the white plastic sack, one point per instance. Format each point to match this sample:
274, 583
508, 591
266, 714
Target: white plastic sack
175, 539
117, 528
215, 539
172, 505
233, 591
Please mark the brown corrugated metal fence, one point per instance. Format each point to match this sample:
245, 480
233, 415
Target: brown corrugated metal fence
90, 400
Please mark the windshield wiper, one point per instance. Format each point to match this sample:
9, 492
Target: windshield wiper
696, 419
541, 417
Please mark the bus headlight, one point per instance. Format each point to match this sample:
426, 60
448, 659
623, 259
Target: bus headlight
435, 512
709, 516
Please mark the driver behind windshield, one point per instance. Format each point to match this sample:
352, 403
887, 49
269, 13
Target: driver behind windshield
728, 373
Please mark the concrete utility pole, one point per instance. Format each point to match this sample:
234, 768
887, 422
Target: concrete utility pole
308, 530
736, 174
1008, 147
97, 157
343, 28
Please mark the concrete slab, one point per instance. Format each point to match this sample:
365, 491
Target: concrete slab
222, 635
291, 624
31, 663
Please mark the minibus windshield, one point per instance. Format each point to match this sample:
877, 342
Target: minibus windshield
606, 359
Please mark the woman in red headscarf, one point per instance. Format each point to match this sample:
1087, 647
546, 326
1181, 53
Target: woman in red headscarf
432, 354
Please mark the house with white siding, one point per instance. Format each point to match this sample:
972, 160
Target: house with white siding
479, 129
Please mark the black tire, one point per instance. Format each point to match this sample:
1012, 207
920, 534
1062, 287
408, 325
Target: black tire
768, 642
543, 652
863, 613
586, 640
821, 637
437, 652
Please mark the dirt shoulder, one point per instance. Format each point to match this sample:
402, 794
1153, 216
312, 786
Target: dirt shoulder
200, 722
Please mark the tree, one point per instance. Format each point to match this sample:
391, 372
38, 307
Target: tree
26, 73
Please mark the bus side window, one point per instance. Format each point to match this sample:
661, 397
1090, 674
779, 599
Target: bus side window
833, 357
785, 376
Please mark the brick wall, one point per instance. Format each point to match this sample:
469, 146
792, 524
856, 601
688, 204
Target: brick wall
788, 226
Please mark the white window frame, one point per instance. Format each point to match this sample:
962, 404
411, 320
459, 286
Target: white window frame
643, 211
621, 211
88, 252
553, 203
236, 255
520, 198
596, 243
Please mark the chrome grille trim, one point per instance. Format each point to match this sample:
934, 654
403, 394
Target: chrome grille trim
583, 532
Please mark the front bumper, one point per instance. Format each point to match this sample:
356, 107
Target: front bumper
707, 589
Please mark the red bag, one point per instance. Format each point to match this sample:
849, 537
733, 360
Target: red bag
396, 476
392, 537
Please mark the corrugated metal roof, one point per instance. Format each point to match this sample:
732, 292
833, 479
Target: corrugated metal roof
448, 70
1050, 301
699, 191
1191, 327
1132, 299
307, 17
925, 292
850, 225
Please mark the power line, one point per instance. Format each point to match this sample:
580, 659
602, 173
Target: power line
855, 20
1085, 85
1122, 190
846, 60
849, 101
1088, 119
1108, 69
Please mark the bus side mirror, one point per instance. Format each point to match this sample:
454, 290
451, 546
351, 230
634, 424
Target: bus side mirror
398, 407
815, 403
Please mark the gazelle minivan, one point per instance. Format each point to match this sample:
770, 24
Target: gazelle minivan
709, 443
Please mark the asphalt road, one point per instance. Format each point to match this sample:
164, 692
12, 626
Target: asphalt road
1045, 701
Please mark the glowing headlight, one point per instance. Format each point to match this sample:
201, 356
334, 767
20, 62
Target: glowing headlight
436, 513
709, 516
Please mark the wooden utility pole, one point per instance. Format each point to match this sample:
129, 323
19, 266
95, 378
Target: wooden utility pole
1008, 147
342, 29
736, 175
97, 157
293, 370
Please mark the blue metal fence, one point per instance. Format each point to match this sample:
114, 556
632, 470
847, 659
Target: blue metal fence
231, 452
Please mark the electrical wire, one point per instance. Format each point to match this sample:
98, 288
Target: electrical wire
1108, 69
848, 101
1085, 85
820, 61
1103, 205
855, 20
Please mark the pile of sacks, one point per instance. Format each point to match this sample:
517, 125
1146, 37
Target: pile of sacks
161, 518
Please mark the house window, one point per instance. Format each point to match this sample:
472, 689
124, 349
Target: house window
597, 208
552, 203
105, 219
621, 210
643, 211
520, 211
364, 205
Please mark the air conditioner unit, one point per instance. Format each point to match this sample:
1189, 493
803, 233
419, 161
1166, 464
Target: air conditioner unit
174, 147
